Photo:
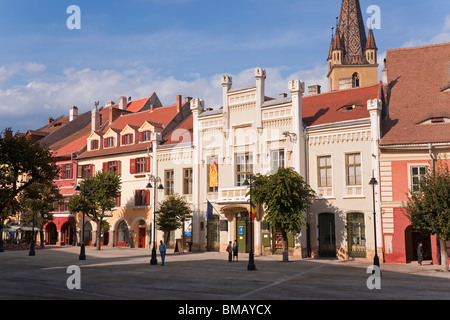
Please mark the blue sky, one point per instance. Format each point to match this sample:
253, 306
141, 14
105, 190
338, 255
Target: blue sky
136, 47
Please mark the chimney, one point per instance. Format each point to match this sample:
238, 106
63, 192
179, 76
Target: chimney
95, 120
179, 103
152, 107
385, 74
123, 103
187, 99
73, 113
283, 95
314, 90
50, 120
7, 134
260, 77
109, 104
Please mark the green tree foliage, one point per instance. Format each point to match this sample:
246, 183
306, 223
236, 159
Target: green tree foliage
23, 163
285, 197
172, 213
429, 209
96, 198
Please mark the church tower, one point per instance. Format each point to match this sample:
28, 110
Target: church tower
352, 59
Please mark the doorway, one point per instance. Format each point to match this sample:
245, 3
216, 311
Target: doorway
67, 232
356, 231
327, 235
412, 239
52, 234
242, 232
122, 234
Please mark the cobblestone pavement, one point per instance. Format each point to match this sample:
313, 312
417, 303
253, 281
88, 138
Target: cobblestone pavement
126, 274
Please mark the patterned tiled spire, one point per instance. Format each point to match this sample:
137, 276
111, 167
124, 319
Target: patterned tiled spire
352, 33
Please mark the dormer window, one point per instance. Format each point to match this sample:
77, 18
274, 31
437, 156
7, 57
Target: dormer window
94, 145
146, 136
109, 142
127, 139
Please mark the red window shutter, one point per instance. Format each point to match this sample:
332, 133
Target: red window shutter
118, 200
119, 168
105, 166
133, 166
79, 171
123, 140
147, 164
136, 198
147, 197
71, 170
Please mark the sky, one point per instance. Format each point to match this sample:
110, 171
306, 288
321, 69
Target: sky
137, 47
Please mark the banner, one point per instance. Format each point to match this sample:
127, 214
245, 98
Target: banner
213, 172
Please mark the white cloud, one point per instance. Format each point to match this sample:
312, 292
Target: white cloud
442, 37
20, 69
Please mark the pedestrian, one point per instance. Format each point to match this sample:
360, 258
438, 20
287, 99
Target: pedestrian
235, 250
230, 251
420, 253
162, 251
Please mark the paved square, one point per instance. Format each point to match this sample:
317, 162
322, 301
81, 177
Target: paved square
125, 274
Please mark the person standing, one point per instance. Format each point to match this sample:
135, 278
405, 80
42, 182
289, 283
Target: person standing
235, 250
230, 251
162, 251
420, 253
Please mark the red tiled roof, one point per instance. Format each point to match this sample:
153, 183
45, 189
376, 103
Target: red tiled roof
331, 107
418, 78
158, 116
182, 134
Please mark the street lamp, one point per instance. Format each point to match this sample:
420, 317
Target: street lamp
251, 257
376, 261
155, 180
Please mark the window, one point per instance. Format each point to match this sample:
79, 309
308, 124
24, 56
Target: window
324, 172
355, 80
112, 166
417, 175
127, 139
277, 159
213, 174
94, 145
169, 188
187, 181
353, 169
140, 165
67, 174
142, 198
145, 136
244, 166
86, 171
109, 142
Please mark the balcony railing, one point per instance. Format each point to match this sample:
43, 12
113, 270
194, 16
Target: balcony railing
233, 195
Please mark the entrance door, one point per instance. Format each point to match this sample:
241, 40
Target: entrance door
142, 234
122, 234
327, 235
356, 235
412, 239
213, 234
241, 237
68, 234
52, 234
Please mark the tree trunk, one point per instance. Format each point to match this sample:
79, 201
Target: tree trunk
99, 233
444, 255
285, 246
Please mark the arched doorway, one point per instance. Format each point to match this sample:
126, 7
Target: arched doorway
66, 234
412, 239
356, 231
87, 238
52, 233
142, 233
327, 235
122, 234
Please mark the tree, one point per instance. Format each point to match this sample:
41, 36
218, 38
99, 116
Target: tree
172, 213
285, 196
429, 209
38, 201
22, 163
97, 197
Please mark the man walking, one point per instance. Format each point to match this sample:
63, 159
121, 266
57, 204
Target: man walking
420, 253
162, 251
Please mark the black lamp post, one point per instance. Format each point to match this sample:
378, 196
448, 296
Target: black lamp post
32, 244
376, 261
155, 180
82, 246
251, 257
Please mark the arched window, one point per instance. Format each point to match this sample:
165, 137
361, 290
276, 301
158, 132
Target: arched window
355, 80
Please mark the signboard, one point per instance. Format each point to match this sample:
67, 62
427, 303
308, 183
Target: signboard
240, 230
